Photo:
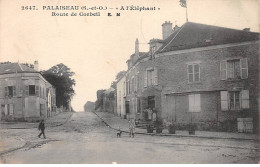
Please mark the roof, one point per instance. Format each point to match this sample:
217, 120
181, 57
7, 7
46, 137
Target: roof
141, 55
109, 90
194, 35
15, 68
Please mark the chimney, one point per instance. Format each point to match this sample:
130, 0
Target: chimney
166, 29
36, 65
246, 29
136, 48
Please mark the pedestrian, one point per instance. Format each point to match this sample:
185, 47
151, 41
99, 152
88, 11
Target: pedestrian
41, 128
131, 129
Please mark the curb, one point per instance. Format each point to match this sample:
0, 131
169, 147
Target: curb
36, 124
175, 135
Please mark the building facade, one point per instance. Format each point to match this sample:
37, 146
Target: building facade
121, 94
199, 74
24, 93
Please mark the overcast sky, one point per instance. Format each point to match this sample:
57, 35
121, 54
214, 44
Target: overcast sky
96, 48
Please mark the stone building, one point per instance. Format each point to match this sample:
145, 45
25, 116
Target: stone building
199, 74
24, 93
121, 94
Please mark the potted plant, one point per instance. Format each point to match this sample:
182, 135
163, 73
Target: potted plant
192, 128
149, 129
159, 126
172, 128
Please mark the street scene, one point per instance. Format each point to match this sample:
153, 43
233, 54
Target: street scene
172, 82
85, 138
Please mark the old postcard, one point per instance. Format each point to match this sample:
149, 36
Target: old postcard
129, 81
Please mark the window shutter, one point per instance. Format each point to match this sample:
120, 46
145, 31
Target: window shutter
155, 76
11, 109
6, 91
244, 68
145, 79
27, 90
224, 100
37, 90
6, 109
197, 103
223, 70
245, 99
191, 103
14, 90
190, 73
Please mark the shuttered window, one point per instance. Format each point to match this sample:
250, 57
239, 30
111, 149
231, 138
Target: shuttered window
234, 69
234, 100
151, 77
193, 71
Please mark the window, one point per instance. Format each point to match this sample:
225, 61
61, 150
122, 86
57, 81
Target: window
234, 100
234, 69
193, 73
194, 103
31, 90
151, 77
10, 91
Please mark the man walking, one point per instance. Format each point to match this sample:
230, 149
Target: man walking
41, 127
131, 128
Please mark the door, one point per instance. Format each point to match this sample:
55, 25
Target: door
151, 102
127, 109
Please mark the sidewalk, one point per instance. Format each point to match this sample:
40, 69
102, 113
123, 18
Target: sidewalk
56, 120
116, 122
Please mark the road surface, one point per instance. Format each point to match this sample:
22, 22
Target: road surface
85, 139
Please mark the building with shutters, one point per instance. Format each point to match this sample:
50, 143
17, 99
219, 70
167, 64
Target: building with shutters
200, 74
24, 93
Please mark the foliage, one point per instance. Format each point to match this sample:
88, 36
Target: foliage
99, 101
120, 75
60, 76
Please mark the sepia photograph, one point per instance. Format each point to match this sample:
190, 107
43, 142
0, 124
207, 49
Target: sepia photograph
129, 82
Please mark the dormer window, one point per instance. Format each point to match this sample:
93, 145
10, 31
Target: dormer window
152, 49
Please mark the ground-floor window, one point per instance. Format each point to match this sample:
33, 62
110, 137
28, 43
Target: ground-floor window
234, 100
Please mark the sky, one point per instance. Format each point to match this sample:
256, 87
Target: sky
97, 48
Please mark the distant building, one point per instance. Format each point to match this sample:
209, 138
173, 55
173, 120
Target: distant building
198, 73
24, 93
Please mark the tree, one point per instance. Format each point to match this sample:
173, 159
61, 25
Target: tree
120, 75
60, 76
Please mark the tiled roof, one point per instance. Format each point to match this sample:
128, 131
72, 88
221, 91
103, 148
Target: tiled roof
194, 35
14, 67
